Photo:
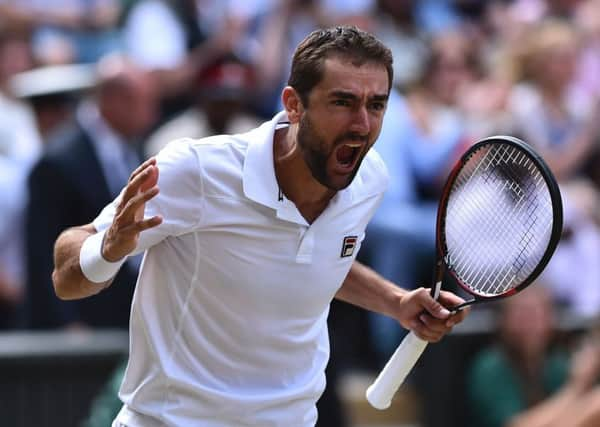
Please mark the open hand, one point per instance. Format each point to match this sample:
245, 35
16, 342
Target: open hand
122, 236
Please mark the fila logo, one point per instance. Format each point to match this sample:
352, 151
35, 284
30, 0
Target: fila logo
348, 246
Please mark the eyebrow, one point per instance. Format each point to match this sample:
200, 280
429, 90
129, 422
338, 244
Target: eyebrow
350, 96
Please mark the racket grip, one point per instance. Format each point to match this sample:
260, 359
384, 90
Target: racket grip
380, 393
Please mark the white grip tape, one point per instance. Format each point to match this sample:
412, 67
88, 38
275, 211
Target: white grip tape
93, 265
391, 377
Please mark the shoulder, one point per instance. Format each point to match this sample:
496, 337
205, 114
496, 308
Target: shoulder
490, 361
64, 140
209, 146
205, 162
67, 150
219, 150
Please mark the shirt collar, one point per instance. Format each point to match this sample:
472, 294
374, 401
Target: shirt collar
260, 183
92, 121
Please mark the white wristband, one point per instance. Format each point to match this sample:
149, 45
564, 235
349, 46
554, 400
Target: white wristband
93, 265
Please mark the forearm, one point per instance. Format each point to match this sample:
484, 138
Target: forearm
69, 281
546, 413
365, 288
587, 411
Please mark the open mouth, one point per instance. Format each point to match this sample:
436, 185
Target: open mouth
347, 154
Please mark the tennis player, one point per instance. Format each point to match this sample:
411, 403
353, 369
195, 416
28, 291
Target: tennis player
248, 241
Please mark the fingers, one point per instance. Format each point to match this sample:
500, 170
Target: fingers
128, 223
150, 162
134, 229
458, 316
142, 179
148, 223
430, 319
127, 213
432, 306
430, 329
450, 300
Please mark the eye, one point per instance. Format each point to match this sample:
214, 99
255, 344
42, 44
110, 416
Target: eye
341, 102
377, 106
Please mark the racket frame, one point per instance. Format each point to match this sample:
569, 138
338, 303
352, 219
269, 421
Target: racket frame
442, 265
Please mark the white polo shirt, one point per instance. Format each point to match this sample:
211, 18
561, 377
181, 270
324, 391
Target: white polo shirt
229, 317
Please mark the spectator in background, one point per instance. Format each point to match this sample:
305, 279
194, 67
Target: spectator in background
50, 93
580, 247
560, 121
177, 39
65, 31
551, 112
84, 167
222, 98
19, 147
396, 24
523, 366
587, 19
577, 403
282, 28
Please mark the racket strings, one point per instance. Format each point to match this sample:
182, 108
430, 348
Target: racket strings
498, 219
502, 274
526, 238
486, 222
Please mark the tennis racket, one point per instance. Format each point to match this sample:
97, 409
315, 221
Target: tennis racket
499, 220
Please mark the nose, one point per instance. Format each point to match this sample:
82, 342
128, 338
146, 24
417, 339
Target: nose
360, 121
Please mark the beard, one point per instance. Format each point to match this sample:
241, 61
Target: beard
316, 153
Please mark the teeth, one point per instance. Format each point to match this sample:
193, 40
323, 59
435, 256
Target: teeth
353, 145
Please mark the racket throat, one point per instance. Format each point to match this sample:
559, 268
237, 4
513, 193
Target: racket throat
435, 291
438, 275
465, 304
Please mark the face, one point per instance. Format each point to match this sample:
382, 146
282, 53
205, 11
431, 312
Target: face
342, 120
558, 67
527, 321
14, 58
450, 73
132, 110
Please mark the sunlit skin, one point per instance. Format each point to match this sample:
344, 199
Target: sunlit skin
345, 108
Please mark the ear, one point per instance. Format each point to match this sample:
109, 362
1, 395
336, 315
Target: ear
292, 104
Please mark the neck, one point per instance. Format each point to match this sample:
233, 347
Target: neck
295, 178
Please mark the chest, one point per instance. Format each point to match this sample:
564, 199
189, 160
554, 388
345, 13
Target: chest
251, 257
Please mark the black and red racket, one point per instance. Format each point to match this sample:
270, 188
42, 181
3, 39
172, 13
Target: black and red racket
499, 220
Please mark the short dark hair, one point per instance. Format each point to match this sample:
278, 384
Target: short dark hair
347, 42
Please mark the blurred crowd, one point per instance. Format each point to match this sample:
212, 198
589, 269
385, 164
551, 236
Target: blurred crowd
90, 88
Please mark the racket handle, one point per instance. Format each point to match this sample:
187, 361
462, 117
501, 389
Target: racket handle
380, 393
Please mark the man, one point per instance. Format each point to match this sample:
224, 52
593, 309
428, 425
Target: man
19, 146
250, 238
84, 167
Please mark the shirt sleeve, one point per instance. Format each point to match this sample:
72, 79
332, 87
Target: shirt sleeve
179, 201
